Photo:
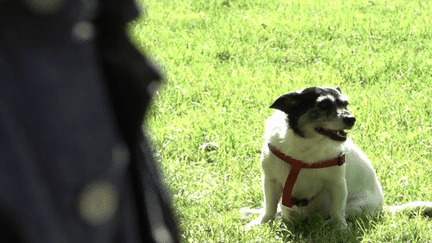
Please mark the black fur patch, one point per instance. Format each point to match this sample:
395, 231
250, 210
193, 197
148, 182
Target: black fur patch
296, 104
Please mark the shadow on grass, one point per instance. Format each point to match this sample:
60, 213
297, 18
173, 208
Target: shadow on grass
314, 230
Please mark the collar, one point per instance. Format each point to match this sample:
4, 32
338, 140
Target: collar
296, 166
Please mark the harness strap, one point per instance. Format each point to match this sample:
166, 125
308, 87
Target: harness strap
296, 166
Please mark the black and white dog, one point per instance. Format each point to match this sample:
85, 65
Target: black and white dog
308, 160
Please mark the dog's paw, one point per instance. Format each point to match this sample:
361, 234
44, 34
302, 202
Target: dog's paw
259, 221
253, 223
340, 224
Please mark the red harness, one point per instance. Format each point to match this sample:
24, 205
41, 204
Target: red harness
296, 166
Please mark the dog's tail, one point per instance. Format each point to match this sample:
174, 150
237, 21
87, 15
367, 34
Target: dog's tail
422, 206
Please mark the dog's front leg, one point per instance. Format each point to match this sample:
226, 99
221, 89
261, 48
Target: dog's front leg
272, 192
338, 193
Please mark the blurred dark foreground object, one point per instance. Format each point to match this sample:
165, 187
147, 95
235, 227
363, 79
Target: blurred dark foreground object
74, 163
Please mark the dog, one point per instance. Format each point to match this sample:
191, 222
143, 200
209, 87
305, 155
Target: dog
308, 161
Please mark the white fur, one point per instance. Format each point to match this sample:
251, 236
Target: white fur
338, 191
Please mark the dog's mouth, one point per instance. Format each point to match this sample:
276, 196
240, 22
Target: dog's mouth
337, 135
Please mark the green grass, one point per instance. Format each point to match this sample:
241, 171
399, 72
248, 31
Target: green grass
225, 61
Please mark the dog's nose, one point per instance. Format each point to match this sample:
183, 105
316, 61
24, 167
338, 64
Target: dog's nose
349, 120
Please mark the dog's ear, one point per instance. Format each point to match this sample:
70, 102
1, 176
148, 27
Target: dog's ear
339, 89
286, 102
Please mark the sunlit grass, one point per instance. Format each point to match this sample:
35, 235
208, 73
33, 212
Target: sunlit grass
226, 61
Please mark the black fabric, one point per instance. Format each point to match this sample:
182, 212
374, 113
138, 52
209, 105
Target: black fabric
72, 90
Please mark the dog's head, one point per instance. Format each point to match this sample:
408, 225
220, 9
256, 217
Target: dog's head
317, 110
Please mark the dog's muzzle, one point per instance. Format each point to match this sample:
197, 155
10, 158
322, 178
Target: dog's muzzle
349, 121
338, 135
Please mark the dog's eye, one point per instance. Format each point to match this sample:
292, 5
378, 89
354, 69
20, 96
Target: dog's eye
325, 104
342, 103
